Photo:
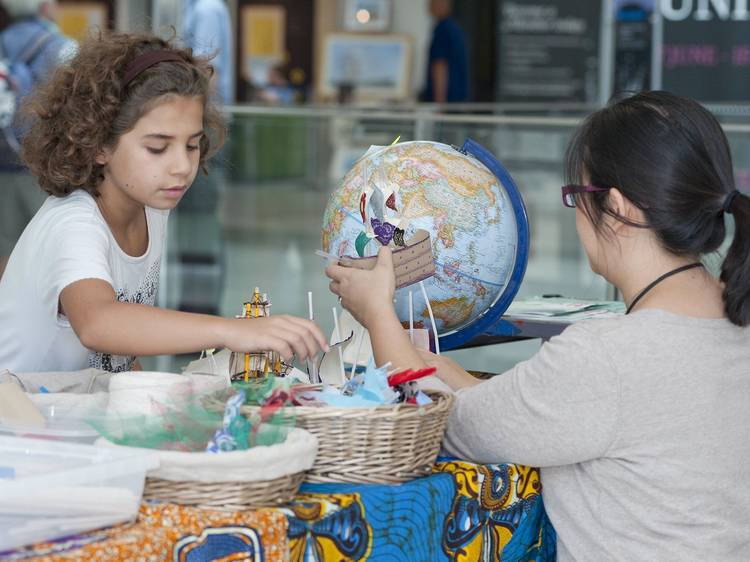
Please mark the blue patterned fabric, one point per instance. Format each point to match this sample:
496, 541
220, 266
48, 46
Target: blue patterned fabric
463, 513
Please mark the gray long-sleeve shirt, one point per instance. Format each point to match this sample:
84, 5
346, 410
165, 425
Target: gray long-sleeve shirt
641, 427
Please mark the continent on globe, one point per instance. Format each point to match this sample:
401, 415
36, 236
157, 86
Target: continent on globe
447, 192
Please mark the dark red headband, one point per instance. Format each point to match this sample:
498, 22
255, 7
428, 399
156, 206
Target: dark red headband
147, 60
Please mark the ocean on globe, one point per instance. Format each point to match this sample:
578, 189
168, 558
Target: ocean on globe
435, 187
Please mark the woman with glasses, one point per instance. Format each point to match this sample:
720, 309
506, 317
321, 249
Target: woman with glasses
640, 423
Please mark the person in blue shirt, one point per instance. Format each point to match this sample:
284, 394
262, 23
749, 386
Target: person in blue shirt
32, 46
207, 29
447, 67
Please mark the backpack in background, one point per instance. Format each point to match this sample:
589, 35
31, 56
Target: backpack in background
16, 78
7, 96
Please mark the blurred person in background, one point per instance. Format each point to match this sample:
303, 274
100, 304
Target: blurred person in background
447, 65
31, 45
207, 30
200, 249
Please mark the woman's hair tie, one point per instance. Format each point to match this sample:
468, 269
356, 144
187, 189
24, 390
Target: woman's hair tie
729, 200
147, 60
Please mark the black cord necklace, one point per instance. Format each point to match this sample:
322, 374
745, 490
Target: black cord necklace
659, 280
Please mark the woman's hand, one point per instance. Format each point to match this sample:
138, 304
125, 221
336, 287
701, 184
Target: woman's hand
288, 335
366, 294
448, 370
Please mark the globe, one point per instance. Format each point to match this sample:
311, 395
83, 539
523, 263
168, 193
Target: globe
475, 217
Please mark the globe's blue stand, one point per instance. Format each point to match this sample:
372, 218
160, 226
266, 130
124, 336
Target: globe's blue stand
485, 323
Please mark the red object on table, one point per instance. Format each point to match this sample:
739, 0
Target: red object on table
410, 375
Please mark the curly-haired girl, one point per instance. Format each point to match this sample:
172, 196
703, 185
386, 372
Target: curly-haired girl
117, 137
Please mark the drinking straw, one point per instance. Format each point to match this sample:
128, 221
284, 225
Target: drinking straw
411, 318
311, 367
356, 357
432, 318
337, 336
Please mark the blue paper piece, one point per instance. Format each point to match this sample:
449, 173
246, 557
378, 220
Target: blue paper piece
333, 398
376, 384
223, 440
368, 389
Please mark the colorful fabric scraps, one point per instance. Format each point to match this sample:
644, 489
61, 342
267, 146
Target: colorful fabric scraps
368, 389
177, 427
361, 243
271, 423
233, 434
383, 231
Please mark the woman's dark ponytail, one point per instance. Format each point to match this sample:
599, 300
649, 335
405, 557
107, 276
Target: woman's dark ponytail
735, 271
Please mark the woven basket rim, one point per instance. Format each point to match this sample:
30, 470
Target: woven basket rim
233, 496
441, 399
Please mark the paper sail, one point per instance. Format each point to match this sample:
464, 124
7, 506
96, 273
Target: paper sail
391, 202
383, 231
361, 243
398, 238
328, 366
359, 349
362, 202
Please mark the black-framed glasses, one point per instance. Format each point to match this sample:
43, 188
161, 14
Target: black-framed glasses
569, 193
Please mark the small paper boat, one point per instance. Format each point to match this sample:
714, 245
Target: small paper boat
411, 263
261, 363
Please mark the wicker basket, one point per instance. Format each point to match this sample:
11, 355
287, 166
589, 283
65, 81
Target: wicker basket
225, 496
380, 445
264, 476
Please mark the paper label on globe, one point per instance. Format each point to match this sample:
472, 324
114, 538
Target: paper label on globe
457, 200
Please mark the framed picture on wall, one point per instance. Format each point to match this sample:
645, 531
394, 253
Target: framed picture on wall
367, 15
263, 41
77, 19
368, 67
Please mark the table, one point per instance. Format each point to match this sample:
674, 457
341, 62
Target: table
462, 512
512, 328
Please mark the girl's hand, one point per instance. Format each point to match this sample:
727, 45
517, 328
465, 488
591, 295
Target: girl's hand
448, 370
366, 294
288, 335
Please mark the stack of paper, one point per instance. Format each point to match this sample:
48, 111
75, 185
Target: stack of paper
556, 309
63, 510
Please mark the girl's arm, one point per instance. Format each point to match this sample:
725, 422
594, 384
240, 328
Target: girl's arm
106, 325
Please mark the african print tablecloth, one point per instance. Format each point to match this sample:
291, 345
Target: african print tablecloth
462, 513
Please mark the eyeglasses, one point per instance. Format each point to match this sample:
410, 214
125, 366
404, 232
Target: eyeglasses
569, 193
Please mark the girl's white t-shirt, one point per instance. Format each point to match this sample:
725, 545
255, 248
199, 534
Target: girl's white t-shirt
68, 240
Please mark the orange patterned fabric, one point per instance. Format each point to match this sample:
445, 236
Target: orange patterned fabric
172, 532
